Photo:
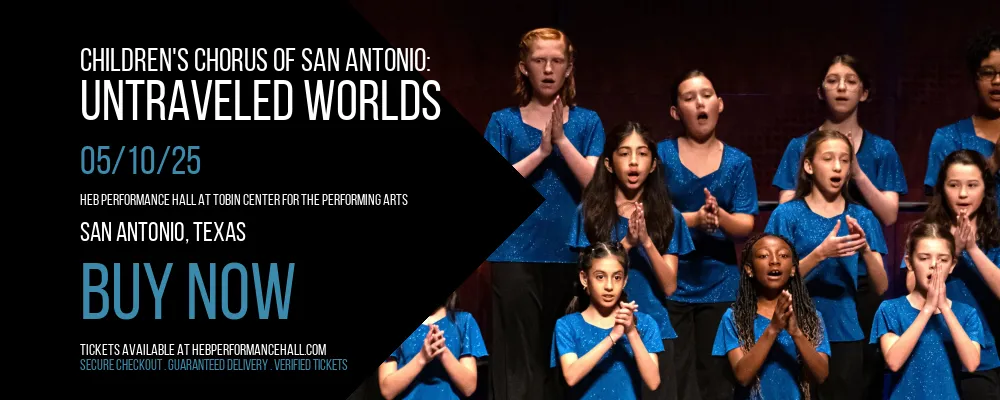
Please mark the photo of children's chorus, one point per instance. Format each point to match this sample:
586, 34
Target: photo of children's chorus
738, 204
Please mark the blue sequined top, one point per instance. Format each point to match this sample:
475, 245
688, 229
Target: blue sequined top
833, 282
876, 156
960, 135
781, 372
966, 285
929, 372
463, 338
709, 274
616, 375
642, 286
541, 238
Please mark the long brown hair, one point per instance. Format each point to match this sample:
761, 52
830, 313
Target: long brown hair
805, 181
939, 212
523, 90
600, 214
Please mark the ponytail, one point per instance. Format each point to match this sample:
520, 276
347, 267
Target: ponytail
451, 305
580, 299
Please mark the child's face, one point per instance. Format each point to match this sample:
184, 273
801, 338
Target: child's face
698, 106
772, 263
632, 162
605, 280
964, 188
830, 166
842, 89
546, 67
929, 255
988, 82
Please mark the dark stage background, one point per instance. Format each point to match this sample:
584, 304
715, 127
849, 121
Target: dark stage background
766, 59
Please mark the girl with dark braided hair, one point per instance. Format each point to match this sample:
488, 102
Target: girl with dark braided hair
773, 335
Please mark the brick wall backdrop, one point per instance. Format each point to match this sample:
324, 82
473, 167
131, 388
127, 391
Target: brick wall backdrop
766, 61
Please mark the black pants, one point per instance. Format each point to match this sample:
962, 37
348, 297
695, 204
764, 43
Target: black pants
668, 375
873, 365
980, 385
842, 383
528, 298
699, 374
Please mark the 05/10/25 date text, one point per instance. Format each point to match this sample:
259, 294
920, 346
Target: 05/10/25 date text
144, 160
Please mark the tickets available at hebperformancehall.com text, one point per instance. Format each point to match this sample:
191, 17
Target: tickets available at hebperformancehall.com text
184, 357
